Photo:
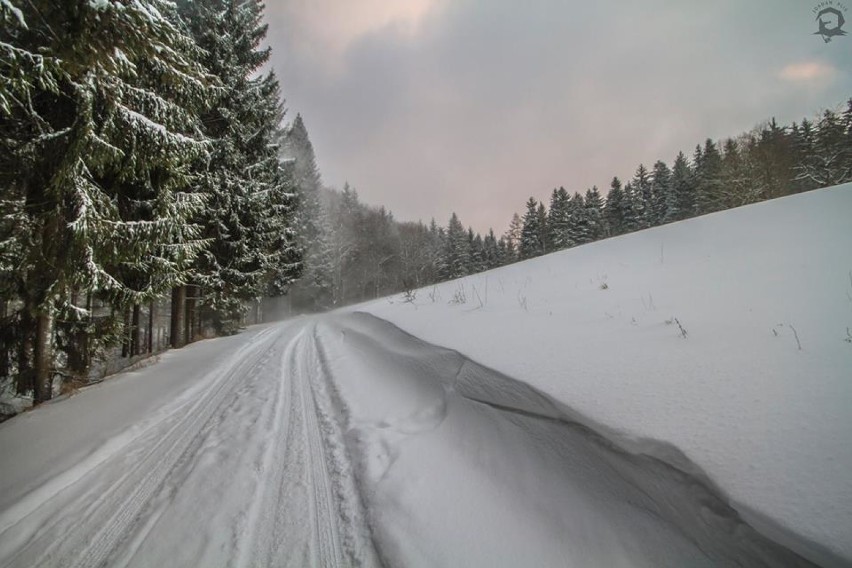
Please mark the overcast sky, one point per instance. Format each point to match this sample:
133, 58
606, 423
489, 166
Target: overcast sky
435, 106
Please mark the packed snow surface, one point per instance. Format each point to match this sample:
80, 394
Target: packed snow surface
720, 344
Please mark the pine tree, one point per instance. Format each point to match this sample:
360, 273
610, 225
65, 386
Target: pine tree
98, 151
250, 203
630, 211
492, 251
513, 236
708, 179
505, 254
299, 160
735, 190
477, 252
807, 165
772, 158
297, 153
614, 209
642, 198
579, 226
531, 244
595, 214
847, 136
680, 204
832, 152
661, 191
543, 221
456, 261
559, 221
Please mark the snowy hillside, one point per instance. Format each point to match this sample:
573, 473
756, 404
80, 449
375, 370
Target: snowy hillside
719, 344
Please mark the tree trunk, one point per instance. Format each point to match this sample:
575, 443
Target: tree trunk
79, 358
125, 332
135, 332
189, 319
151, 310
178, 313
9, 341
25, 351
43, 355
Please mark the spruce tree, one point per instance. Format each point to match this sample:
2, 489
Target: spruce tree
642, 198
492, 251
456, 261
680, 204
708, 179
630, 209
96, 158
559, 221
614, 208
513, 237
832, 150
297, 152
299, 160
579, 226
543, 221
250, 204
531, 235
595, 214
735, 183
478, 261
505, 254
661, 192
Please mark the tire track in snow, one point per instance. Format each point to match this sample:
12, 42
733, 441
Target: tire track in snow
165, 456
250, 471
271, 468
113, 513
327, 549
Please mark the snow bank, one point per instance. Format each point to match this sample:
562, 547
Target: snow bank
462, 466
726, 336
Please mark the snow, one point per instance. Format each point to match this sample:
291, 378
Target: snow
462, 466
736, 400
99, 5
216, 456
344, 440
6, 5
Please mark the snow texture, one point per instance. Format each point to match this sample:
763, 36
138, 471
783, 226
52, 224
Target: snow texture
718, 344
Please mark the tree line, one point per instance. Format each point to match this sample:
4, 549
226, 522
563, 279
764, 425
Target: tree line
138, 159
355, 252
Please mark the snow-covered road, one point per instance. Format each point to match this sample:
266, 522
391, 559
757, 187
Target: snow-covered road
339, 441
232, 471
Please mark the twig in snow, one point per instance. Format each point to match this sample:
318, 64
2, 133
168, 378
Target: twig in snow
796, 335
478, 297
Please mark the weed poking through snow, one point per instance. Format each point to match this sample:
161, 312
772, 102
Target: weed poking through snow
673, 320
459, 297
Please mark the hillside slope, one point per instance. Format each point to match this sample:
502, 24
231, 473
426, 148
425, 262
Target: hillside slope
720, 344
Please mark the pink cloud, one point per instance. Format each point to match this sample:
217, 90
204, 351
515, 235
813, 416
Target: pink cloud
807, 72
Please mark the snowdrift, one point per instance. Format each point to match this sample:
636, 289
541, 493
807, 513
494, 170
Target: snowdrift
460, 465
720, 345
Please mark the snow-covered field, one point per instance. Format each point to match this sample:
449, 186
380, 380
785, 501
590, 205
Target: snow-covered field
562, 423
757, 395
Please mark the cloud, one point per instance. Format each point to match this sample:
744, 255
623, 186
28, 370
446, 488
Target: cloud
327, 28
433, 106
808, 72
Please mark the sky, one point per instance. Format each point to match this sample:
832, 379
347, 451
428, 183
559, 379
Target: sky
433, 106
